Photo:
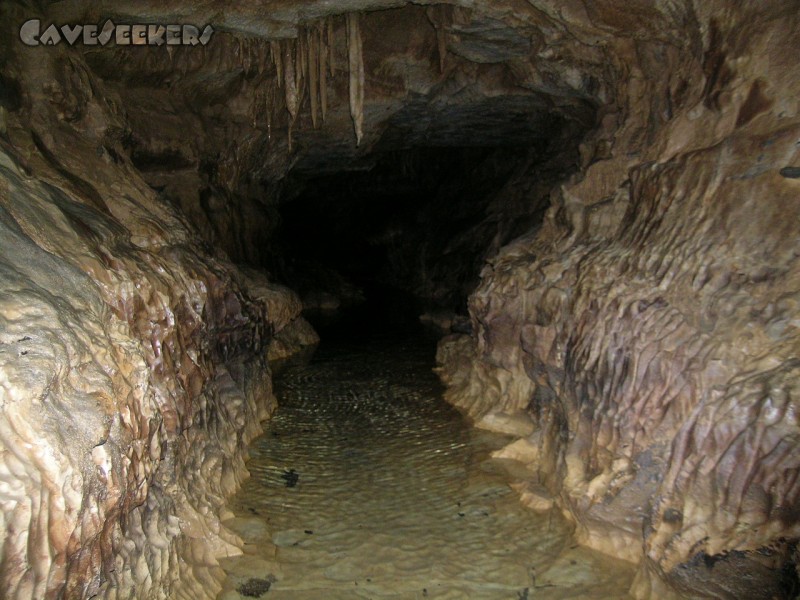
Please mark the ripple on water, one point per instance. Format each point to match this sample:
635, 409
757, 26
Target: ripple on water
366, 484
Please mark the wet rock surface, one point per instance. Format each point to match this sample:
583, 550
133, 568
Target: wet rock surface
133, 361
650, 329
393, 495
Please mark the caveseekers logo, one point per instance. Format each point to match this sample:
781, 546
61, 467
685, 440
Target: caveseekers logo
31, 34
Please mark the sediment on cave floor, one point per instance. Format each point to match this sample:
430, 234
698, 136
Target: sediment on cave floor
595, 209
366, 484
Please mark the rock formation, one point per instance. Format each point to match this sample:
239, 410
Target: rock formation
650, 327
619, 182
133, 363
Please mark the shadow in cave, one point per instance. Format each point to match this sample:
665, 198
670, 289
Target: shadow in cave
418, 223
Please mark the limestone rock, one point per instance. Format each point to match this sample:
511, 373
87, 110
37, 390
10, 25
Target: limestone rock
133, 366
654, 314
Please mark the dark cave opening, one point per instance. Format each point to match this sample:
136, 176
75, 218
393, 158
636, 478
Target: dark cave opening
418, 219
396, 223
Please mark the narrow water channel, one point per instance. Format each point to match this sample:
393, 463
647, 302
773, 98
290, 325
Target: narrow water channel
366, 484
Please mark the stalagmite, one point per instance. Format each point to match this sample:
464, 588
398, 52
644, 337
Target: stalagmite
356, 64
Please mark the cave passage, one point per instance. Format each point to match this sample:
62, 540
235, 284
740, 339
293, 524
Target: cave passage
366, 484
421, 220
595, 204
442, 188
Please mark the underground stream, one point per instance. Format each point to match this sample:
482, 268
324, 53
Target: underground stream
367, 484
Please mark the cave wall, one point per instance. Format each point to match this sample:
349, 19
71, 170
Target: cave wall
650, 330
133, 363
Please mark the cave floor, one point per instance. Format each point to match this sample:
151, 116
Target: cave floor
366, 484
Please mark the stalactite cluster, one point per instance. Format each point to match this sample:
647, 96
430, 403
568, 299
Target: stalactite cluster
302, 69
288, 74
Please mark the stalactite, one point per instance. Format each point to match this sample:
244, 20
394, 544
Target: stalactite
356, 64
254, 109
262, 57
290, 85
441, 42
302, 79
252, 56
312, 43
331, 47
302, 53
246, 60
440, 17
183, 62
193, 63
290, 79
269, 106
323, 72
276, 52
219, 55
302, 89
302, 65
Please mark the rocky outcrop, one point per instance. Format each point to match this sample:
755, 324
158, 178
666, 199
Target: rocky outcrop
650, 328
290, 330
133, 364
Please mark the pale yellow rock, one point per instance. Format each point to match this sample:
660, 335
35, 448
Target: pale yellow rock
516, 423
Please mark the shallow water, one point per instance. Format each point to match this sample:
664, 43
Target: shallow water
366, 484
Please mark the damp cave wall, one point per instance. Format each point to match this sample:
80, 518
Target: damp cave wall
133, 362
650, 328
